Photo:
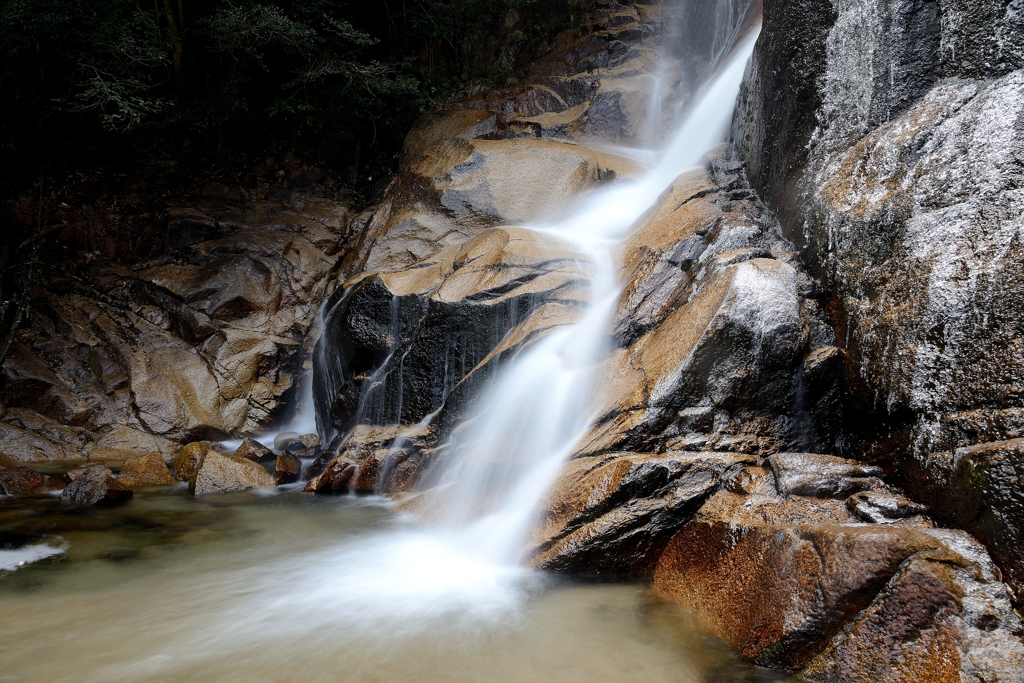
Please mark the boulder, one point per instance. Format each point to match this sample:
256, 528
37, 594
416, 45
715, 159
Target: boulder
978, 488
186, 462
614, 514
287, 468
22, 481
217, 473
902, 189
95, 486
146, 470
802, 584
251, 449
336, 478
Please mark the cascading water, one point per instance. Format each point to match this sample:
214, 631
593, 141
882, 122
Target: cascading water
400, 578
525, 426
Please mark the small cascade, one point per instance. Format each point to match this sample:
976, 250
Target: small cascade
538, 407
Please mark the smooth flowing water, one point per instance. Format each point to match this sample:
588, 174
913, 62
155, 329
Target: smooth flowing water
283, 588
286, 587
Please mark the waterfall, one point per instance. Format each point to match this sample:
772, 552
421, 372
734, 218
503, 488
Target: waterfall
524, 427
536, 409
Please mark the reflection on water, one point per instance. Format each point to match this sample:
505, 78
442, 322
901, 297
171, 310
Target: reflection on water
295, 588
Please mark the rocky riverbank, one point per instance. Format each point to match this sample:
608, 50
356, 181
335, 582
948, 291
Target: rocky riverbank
816, 352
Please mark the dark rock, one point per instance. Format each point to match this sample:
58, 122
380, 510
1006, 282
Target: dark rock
95, 486
146, 470
251, 449
887, 135
218, 473
979, 489
22, 481
287, 468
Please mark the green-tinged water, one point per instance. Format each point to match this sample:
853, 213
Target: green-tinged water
288, 587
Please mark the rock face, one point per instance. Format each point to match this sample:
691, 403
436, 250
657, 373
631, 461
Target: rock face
798, 582
217, 473
146, 470
95, 486
614, 514
190, 325
887, 134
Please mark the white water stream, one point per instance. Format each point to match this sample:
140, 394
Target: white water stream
526, 425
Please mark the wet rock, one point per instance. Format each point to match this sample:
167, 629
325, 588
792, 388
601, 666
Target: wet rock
336, 478
194, 331
821, 476
95, 486
310, 441
402, 345
251, 449
614, 514
287, 468
186, 462
218, 473
903, 191
802, 584
146, 470
882, 508
287, 440
978, 488
22, 481
717, 331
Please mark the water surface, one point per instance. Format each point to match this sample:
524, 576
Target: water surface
290, 587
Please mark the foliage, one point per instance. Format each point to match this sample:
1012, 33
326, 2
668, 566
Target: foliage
176, 89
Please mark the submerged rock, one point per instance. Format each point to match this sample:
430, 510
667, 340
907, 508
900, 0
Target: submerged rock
217, 473
95, 486
146, 470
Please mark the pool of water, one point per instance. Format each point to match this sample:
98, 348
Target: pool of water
290, 587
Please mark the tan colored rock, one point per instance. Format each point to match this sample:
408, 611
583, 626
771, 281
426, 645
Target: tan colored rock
146, 470
217, 473
800, 583
287, 468
186, 462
